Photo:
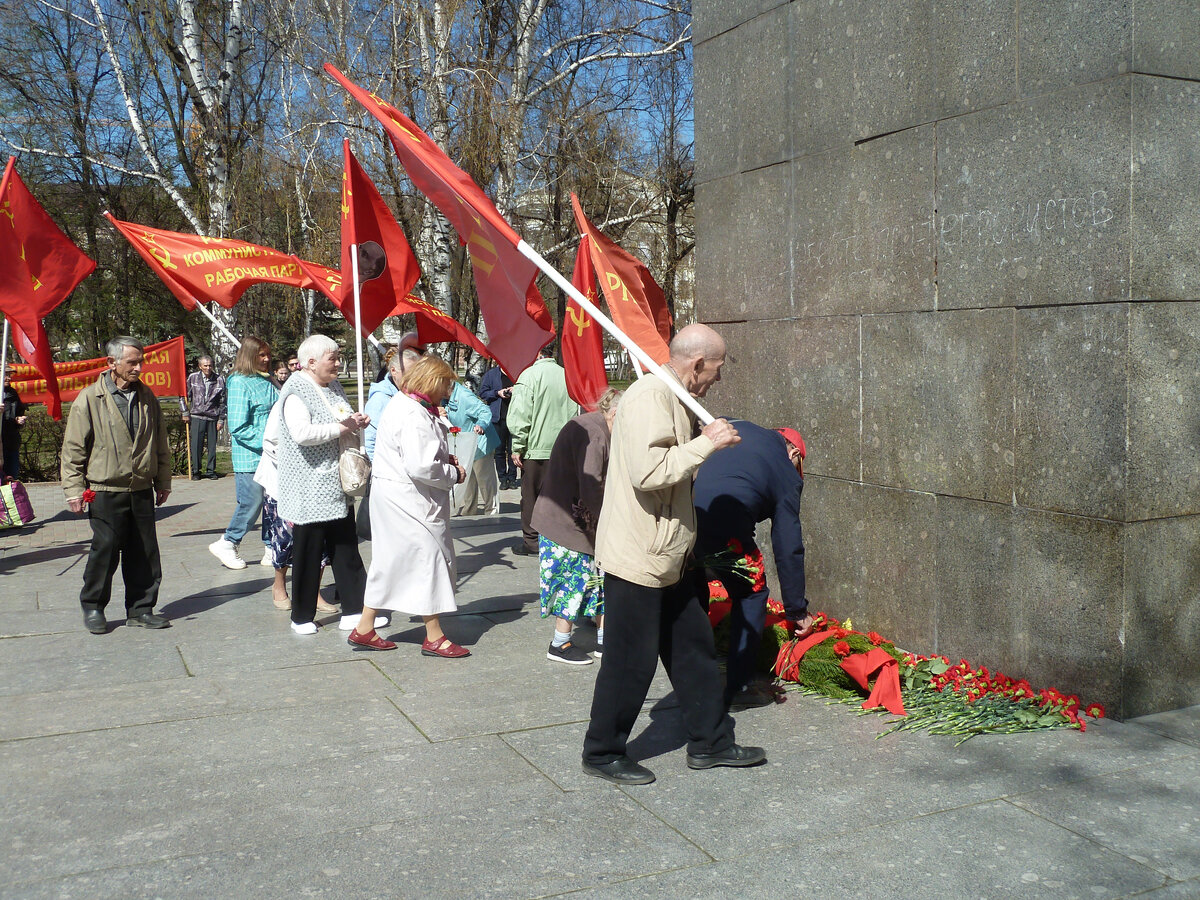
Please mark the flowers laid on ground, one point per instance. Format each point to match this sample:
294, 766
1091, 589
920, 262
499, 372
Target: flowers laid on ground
924, 692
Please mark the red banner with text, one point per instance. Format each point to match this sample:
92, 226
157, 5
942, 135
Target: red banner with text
164, 372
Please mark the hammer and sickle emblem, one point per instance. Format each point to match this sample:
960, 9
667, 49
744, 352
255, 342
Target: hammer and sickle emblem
346, 195
160, 253
6, 209
579, 319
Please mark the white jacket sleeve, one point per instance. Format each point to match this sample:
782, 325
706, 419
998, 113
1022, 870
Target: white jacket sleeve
301, 426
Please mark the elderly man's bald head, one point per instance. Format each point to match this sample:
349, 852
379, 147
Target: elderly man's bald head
697, 355
695, 341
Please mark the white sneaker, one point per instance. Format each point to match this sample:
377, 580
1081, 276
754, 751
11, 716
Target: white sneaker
267, 560
305, 627
348, 623
598, 653
227, 553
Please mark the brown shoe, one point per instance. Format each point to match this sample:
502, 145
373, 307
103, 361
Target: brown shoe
282, 603
323, 607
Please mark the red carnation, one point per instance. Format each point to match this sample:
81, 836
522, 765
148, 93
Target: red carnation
839, 632
454, 429
89, 495
1096, 711
841, 648
875, 637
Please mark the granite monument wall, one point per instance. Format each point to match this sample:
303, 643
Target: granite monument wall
955, 244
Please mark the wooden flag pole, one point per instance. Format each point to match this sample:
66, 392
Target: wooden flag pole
607, 324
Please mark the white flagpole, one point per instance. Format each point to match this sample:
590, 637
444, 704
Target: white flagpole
220, 325
4, 356
607, 324
637, 370
357, 319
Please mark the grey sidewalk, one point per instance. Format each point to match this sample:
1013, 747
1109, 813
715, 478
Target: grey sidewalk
227, 757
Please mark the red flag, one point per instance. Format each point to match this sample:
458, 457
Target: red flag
199, 269
433, 325
635, 301
367, 221
582, 344
39, 267
164, 372
518, 323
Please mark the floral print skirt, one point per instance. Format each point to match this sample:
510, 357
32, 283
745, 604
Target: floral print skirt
277, 534
571, 585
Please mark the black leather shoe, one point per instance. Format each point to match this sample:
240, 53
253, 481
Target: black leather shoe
622, 770
735, 755
522, 550
148, 620
94, 621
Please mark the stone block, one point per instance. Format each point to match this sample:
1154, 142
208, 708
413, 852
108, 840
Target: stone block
822, 94
711, 19
975, 55
1035, 595
896, 584
1068, 582
980, 616
1164, 416
1166, 192
1162, 614
1073, 43
801, 373
744, 103
834, 518
745, 217
718, 140
937, 402
894, 71
1032, 205
863, 224
1071, 409
1166, 35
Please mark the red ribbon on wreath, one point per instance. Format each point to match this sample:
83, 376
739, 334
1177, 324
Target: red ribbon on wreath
886, 693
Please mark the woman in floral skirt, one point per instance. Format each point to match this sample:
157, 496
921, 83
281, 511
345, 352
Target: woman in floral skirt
565, 518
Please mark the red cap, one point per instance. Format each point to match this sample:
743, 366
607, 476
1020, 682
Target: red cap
792, 436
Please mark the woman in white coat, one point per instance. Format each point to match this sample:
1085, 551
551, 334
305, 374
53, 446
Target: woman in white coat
412, 569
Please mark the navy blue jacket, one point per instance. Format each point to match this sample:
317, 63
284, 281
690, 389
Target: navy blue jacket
748, 483
493, 380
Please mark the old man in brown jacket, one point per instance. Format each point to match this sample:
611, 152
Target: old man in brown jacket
655, 602
115, 447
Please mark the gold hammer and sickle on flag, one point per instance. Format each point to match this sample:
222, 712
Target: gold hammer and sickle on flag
346, 195
160, 253
579, 319
6, 209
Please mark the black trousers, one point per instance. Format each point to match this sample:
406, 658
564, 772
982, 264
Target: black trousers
505, 467
122, 532
203, 430
531, 486
747, 617
641, 626
310, 543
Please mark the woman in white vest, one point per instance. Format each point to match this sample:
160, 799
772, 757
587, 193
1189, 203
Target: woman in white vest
316, 423
412, 567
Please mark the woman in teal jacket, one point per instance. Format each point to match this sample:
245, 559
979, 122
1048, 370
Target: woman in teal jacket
480, 493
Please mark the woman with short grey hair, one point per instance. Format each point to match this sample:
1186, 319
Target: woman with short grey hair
316, 424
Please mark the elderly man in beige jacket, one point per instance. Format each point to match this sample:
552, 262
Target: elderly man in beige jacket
116, 467
654, 603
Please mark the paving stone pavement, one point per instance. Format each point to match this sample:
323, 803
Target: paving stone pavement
227, 757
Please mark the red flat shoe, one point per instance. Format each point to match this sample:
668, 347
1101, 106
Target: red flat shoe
444, 647
368, 642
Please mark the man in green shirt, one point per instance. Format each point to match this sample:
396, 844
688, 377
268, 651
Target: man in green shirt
540, 407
